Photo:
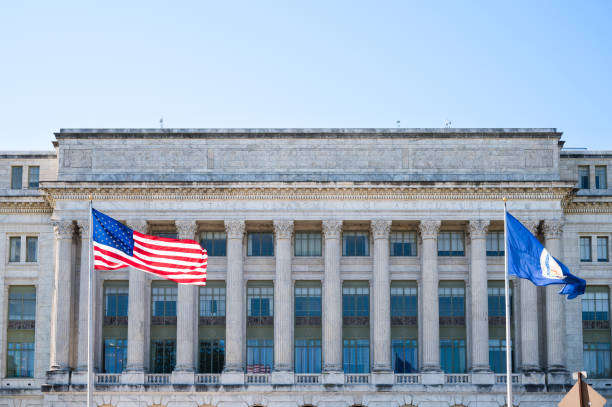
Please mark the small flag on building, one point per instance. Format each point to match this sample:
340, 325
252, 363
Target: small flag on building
528, 259
117, 246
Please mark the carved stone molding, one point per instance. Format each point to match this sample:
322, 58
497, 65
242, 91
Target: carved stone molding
186, 229
83, 226
553, 228
283, 229
332, 228
138, 225
478, 228
380, 228
531, 224
235, 228
63, 229
429, 229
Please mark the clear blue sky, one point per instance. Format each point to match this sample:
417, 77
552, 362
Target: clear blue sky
305, 64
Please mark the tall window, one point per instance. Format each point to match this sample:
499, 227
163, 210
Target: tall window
163, 326
452, 326
260, 301
20, 332
602, 248
404, 334
16, 177
601, 181
211, 327
22, 303
31, 249
356, 356
163, 354
307, 301
585, 248
15, 249
356, 301
260, 355
116, 301
495, 244
451, 244
308, 356
33, 175
403, 244
355, 244
114, 330
261, 244
497, 354
403, 301
20, 359
308, 327
452, 301
404, 355
115, 355
164, 301
212, 301
595, 306
583, 177
212, 355
497, 321
308, 244
215, 243
596, 332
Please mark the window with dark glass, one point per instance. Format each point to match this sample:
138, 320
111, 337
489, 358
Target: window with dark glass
116, 301
403, 244
585, 248
307, 301
260, 355
20, 359
212, 301
164, 300
16, 177
497, 300
15, 249
215, 243
583, 177
308, 356
163, 355
452, 301
31, 249
260, 244
452, 355
356, 356
601, 181
451, 244
307, 347
115, 355
602, 248
495, 244
355, 244
403, 301
451, 295
595, 305
497, 326
20, 332
497, 354
356, 301
308, 244
33, 175
405, 355
212, 356
596, 332
260, 301
22, 303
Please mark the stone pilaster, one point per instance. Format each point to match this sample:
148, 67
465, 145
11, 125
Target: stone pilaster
479, 297
429, 276
381, 303
82, 349
332, 302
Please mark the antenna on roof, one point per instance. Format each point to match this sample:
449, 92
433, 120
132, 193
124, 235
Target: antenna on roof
161, 122
447, 123
397, 122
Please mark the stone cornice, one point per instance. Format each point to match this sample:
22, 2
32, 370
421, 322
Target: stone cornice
595, 207
36, 204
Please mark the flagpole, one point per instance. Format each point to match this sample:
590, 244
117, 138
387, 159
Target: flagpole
507, 300
89, 314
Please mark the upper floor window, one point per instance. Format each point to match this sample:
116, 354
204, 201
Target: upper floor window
31, 252
595, 304
307, 301
601, 179
495, 244
403, 301
451, 244
355, 301
403, 244
212, 301
585, 248
15, 249
583, 177
164, 300
260, 301
602, 248
22, 303
497, 301
31, 249
33, 175
261, 244
355, 244
308, 244
116, 301
16, 177
452, 301
214, 243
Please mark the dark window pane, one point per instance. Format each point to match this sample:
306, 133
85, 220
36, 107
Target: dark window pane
16, 177
33, 175
31, 249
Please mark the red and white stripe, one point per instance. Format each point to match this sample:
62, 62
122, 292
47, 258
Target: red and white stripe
181, 261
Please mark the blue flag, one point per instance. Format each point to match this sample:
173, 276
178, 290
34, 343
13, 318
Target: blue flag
527, 258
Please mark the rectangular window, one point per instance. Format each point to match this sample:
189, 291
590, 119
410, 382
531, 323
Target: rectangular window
31, 249
308, 244
115, 355
307, 356
355, 244
15, 249
212, 301
452, 355
497, 301
596, 356
212, 356
164, 300
307, 301
602, 248
260, 355
116, 301
260, 301
16, 177
583, 177
404, 355
355, 301
403, 244
215, 243
33, 175
497, 355
163, 355
20, 359
601, 181
451, 244
403, 301
595, 304
356, 356
22, 303
495, 244
452, 301
585, 248
261, 244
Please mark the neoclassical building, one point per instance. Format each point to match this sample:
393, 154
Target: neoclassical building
347, 267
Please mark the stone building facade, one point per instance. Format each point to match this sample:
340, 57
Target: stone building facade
347, 267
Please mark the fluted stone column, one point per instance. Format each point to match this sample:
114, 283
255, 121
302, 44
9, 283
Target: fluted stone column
186, 321
381, 290
82, 348
429, 276
555, 315
235, 325
530, 362
62, 296
332, 304
283, 304
479, 297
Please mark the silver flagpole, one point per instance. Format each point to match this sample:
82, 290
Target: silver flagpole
89, 314
507, 298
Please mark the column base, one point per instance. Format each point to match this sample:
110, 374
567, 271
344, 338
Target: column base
58, 377
383, 378
432, 378
558, 380
282, 377
133, 377
79, 377
333, 378
533, 380
232, 378
483, 377
182, 377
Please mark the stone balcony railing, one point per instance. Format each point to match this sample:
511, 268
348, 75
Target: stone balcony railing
307, 378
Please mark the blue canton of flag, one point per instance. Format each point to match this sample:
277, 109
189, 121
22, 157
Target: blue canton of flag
109, 232
528, 259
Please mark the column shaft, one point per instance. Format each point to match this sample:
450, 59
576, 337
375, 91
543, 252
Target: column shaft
283, 298
429, 275
555, 305
235, 325
530, 353
82, 348
479, 297
332, 298
381, 296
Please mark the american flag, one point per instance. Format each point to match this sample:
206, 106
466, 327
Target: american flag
117, 246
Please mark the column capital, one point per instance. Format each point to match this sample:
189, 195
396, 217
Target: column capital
332, 228
186, 229
429, 228
531, 225
235, 228
478, 228
553, 228
139, 225
83, 226
283, 228
63, 229
380, 228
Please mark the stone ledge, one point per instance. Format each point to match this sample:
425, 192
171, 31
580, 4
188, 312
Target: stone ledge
232, 378
333, 378
432, 378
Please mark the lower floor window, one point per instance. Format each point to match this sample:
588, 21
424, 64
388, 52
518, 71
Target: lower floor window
308, 356
597, 359
497, 355
212, 355
20, 359
163, 355
260, 355
452, 355
404, 354
356, 356
115, 355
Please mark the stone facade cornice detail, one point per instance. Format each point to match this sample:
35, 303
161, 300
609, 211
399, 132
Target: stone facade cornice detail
25, 205
139, 225
186, 229
478, 228
588, 207
283, 229
331, 228
429, 229
235, 228
553, 228
63, 229
380, 228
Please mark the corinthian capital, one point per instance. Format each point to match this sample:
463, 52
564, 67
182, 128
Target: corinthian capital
235, 228
186, 229
138, 225
553, 228
332, 228
531, 225
380, 228
283, 229
478, 228
63, 229
83, 226
429, 229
